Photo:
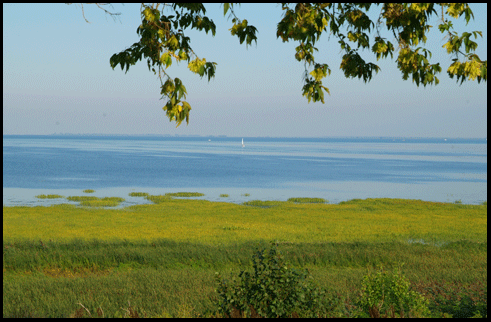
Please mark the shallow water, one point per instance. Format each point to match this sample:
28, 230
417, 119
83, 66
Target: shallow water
335, 169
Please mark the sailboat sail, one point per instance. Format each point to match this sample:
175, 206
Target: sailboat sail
243, 142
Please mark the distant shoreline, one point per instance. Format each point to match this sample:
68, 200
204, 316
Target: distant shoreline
227, 136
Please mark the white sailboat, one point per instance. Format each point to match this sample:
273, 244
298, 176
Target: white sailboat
243, 142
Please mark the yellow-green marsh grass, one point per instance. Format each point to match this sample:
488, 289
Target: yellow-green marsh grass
185, 194
201, 221
224, 195
49, 196
103, 202
81, 198
89, 191
308, 200
162, 257
158, 199
91, 201
138, 194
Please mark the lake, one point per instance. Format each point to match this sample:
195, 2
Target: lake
335, 169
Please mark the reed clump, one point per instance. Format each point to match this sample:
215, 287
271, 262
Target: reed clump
224, 195
89, 191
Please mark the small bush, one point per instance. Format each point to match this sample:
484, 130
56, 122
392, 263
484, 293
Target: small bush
271, 290
89, 191
459, 303
386, 294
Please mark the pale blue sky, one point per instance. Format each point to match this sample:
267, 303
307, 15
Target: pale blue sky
57, 79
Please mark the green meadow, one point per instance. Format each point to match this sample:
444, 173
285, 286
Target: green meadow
160, 259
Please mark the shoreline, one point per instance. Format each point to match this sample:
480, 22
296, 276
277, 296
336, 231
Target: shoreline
29, 199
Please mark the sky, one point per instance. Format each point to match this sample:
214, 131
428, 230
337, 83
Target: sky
57, 79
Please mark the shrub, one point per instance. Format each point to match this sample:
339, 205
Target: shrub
387, 294
460, 303
271, 290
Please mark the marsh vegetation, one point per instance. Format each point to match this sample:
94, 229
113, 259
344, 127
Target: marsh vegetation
160, 259
49, 196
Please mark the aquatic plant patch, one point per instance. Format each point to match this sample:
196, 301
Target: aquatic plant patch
49, 196
158, 199
81, 198
138, 194
185, 194
308, 200
102, 202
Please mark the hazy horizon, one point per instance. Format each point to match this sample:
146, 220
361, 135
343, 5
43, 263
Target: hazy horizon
57, 79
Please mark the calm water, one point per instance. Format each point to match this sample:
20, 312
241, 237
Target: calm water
336, 169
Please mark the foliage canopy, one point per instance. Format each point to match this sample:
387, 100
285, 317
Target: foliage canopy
163, 40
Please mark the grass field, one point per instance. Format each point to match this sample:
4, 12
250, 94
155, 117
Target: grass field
159, 260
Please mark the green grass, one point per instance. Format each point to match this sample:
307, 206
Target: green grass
308, 200
224, 195
246, 195
162, 257
49, 196
89, 191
